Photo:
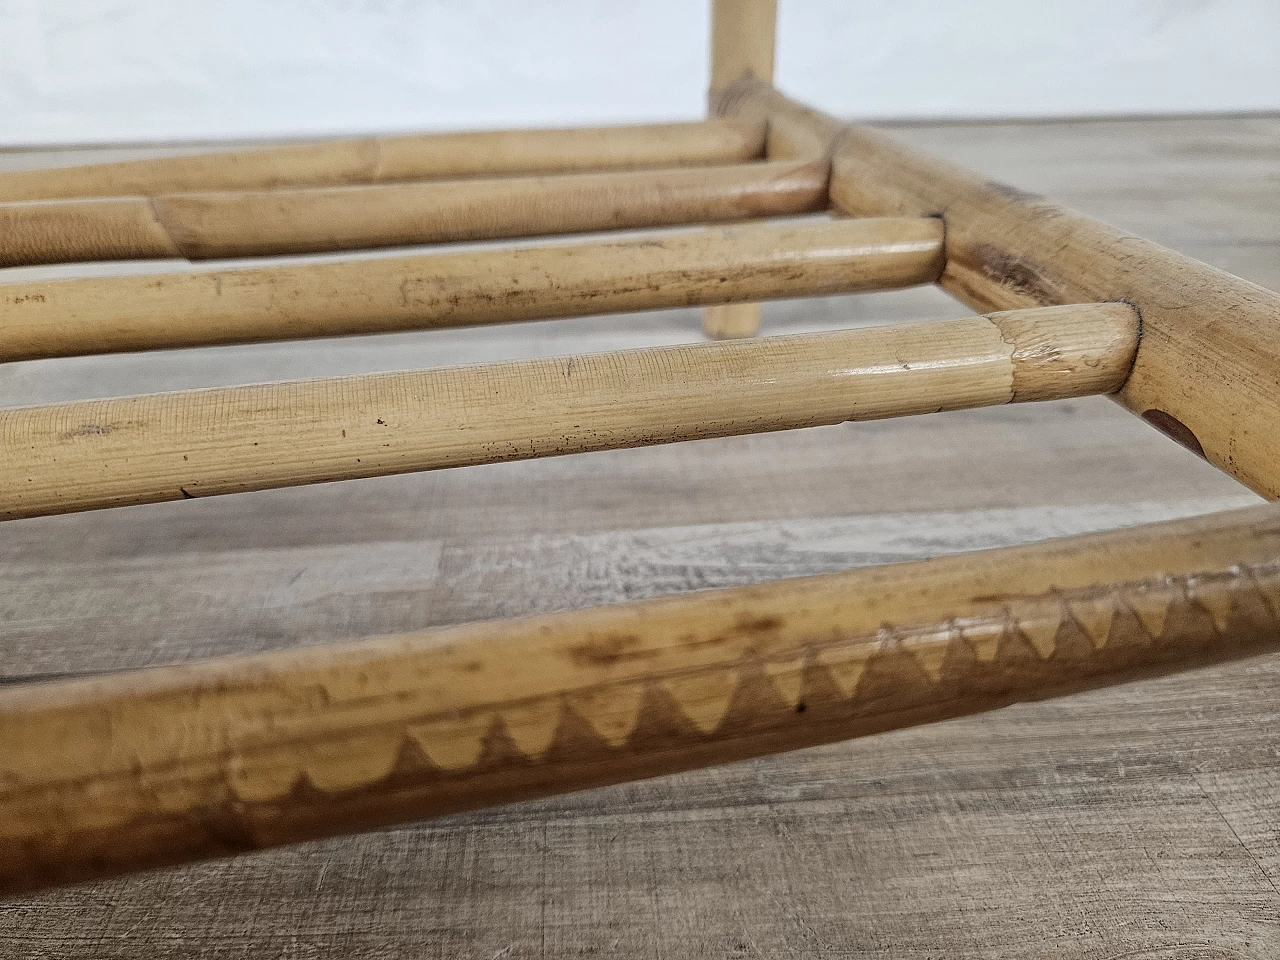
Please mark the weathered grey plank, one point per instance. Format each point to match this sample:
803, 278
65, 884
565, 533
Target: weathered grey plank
156, 607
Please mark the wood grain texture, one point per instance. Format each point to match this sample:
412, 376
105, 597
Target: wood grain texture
1208, 371
1134, 820
155, 768
159, 447
255, 223
353, 296
389, 159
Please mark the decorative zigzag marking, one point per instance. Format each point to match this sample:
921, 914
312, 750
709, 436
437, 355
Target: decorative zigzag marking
787, 678
1116, 620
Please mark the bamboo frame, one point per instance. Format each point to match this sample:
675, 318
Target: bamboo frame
1206, 370
147, 768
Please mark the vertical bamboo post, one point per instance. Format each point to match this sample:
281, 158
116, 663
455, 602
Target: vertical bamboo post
742, 34
742, 41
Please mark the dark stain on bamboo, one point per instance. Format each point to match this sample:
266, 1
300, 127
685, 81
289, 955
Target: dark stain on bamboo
1174, 429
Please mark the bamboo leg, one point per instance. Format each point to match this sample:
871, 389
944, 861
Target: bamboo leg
239, 224
1206, 371
731, 321
292, 301
81, 456
126, 772
440, 156
742, 42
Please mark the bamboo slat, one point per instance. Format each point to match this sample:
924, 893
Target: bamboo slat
1208, 368
103, 453
442, 156
138, 770
377, 295
253, 223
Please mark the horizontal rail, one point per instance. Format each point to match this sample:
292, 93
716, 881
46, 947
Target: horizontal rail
388, 159
384, 294
1208, 368
104, 453
127, 772
240, 224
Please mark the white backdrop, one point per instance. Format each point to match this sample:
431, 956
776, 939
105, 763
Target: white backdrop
127, 70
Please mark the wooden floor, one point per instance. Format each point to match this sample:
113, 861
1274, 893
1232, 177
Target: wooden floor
1139, 822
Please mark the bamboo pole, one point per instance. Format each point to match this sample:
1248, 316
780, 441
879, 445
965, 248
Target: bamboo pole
389, 159
128, 772
376, 295
240, 224
103, 453
1206, 370
742, 42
